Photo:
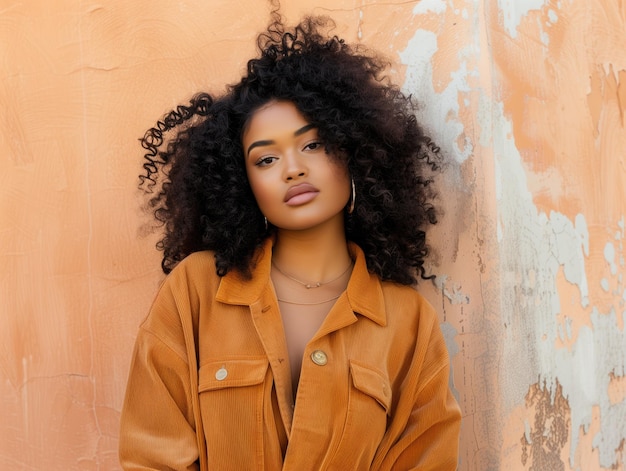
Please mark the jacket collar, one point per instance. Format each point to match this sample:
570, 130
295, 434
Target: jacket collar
364, 289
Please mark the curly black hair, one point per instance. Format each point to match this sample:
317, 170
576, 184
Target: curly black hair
198, 188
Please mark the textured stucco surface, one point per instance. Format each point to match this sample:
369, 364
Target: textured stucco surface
526, 99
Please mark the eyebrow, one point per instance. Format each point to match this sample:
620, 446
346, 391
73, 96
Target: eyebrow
297, 133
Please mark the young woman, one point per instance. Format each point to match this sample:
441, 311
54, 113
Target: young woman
287, 334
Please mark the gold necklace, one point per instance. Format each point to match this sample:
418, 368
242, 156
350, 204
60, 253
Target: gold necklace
316, 284
309, 304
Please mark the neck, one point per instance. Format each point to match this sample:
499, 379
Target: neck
317, 254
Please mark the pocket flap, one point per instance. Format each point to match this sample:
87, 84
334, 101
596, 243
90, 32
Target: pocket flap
371, 382
230, 373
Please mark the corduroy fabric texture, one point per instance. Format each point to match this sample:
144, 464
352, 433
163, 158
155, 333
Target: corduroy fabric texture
209, 386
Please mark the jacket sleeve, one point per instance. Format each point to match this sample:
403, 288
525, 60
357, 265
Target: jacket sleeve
429, 441
157, 429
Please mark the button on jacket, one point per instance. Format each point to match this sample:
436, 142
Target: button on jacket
210, 388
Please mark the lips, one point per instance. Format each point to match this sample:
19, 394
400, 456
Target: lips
300, 194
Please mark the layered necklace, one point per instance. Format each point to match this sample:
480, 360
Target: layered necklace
314, 285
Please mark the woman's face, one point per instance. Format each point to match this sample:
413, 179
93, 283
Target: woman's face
297, 185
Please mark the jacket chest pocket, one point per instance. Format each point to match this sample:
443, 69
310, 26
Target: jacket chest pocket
369, 403
232, 393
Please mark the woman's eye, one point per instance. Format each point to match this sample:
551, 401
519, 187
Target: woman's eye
315, 145
264, 161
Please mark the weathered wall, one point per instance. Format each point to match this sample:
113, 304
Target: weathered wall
525, 97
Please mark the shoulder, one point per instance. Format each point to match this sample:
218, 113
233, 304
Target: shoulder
193, 279
196, 269
406, 306
201, 261
398, 296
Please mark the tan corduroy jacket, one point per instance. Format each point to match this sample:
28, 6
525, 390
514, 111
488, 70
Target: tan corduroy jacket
210, 389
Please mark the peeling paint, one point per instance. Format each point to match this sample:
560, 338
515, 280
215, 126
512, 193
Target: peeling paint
577, 358
543, 441
513, 11
452, 291
441, 108
545, 244
609, 256
426, 6
617, 387
534, 248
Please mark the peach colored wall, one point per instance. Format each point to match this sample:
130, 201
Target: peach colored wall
527, 99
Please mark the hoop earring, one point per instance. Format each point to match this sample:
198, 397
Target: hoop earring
265, 220
353, 198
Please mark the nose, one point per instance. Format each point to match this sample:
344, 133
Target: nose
295, 166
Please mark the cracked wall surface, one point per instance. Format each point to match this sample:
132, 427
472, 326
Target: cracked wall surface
526, 99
